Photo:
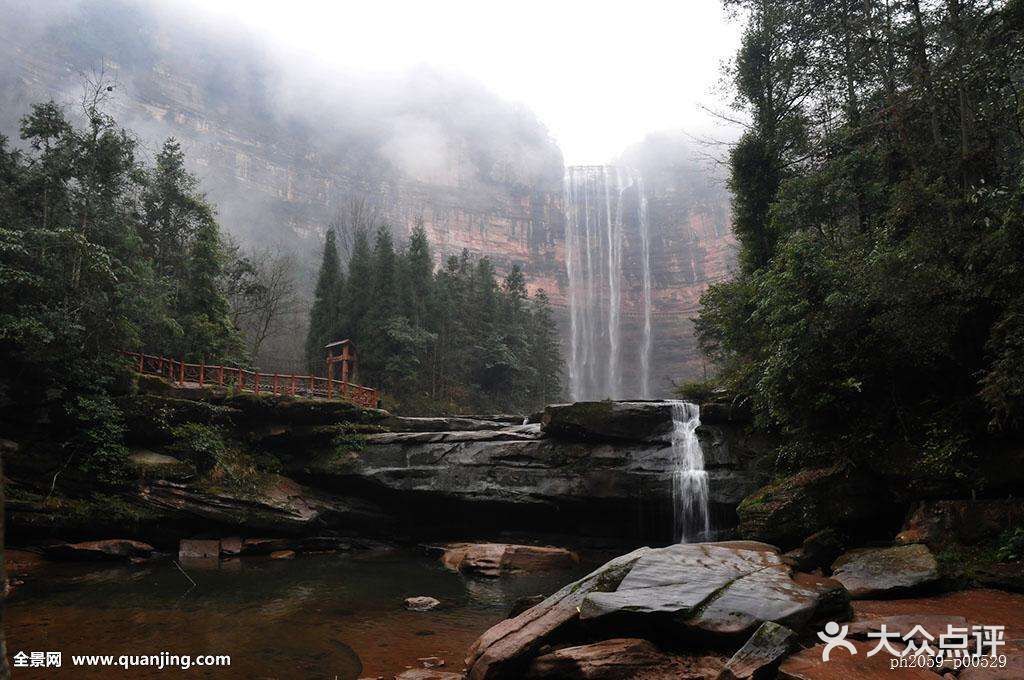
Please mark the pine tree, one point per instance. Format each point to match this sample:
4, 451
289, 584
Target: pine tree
323, 321
203, 307
543, 354
417, 277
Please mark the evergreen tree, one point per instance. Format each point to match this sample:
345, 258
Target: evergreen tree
543, 354
203, 307
323, 316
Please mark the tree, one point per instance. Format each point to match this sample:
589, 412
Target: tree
323, 316
878, 214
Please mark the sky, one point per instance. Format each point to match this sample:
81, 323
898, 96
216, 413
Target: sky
599, 75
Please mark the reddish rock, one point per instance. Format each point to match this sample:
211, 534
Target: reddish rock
506, 649
808, 665
939, 524
495, 559
619, 658
21, 560
113, 549
978, 607
282, 555
1014, 669
198, 549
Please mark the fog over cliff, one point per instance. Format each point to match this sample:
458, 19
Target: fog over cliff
180, 73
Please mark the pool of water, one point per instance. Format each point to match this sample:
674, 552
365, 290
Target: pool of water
316, 616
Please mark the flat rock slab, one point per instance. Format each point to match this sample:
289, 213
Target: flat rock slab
765, 648
886, 572
808, 665
496, 559
112, 549
198, 549
620, 658
716, 589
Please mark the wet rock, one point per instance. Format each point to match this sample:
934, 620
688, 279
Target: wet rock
706, 589
886, 572
939, 524
282, 555
607, 660
431, 661
761, 653
714, 593
808, 665
113, 549
637, 421
421, 603
787, 511
190, 548
495, 559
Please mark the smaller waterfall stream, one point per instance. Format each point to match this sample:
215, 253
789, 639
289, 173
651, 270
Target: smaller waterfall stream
691, 519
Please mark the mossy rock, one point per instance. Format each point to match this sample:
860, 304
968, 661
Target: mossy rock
789, 510
609, 421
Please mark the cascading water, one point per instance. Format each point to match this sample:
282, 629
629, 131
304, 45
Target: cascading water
595, 217
691, 519
645, 269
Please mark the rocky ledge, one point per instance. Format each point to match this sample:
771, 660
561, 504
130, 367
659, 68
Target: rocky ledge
210, 462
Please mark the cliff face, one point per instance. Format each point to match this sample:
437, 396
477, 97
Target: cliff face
282, 154
692, 246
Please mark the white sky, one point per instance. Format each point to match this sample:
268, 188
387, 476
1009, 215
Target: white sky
600, 75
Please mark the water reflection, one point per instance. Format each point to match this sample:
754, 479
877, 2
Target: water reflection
317, 616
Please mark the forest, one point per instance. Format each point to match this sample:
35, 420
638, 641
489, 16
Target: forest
878, 207
452, 341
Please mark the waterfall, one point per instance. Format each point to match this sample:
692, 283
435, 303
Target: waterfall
691, 519
595, 220
645, 268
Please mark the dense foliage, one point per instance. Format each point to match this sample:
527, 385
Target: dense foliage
454, 340
100, 252
878, 206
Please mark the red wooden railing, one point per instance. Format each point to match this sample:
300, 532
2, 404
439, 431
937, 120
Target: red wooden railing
310, 386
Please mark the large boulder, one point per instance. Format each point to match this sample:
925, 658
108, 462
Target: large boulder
789, 510
715, 593
808, 665
496, 559
871, 573
636, 421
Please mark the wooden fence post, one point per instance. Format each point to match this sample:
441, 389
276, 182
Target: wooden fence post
293, 384
275, 384
202, 371
181, 373
220, 376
